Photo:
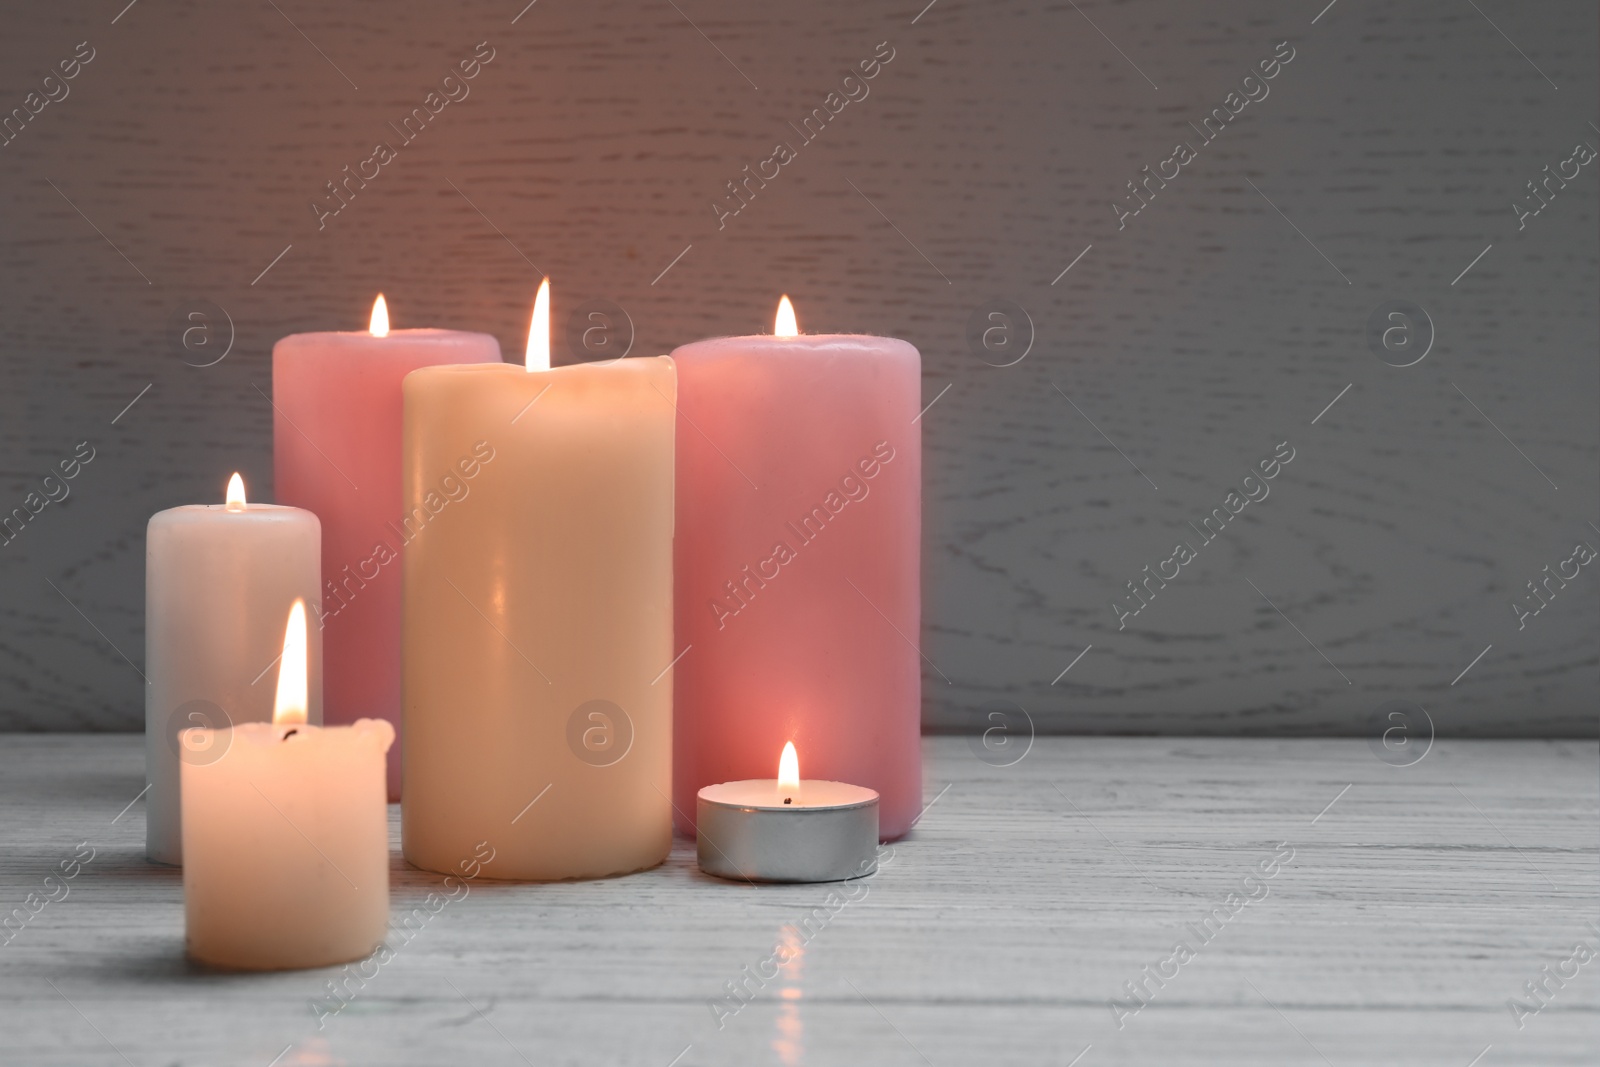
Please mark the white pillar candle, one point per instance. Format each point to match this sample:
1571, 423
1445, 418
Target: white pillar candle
219, 580
285, 834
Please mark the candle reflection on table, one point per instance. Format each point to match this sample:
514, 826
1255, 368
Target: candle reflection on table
789, 1040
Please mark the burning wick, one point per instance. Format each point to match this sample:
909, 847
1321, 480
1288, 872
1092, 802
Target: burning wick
538, 357
379, 324
788, 773
289, 704
785, 324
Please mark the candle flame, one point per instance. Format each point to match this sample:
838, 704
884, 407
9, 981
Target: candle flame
379, 327
538, 357
289, 707
789, 770
785, 325
235, 499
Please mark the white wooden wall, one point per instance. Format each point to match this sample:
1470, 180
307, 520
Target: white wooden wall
1217, 323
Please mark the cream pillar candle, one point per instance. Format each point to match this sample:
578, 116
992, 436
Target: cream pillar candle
538, 614
286, 834
219, 580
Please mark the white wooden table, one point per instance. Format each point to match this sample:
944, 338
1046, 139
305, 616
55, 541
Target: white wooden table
1418, 901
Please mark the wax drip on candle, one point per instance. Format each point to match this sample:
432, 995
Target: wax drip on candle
379, 326
788, 773
538, 357
235, 498
289, 706
785, 325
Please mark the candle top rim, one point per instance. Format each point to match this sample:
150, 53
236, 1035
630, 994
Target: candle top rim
863, 796
769, 347
268, 734
254, 515
418, 333
517, 365
799, 338
258, 507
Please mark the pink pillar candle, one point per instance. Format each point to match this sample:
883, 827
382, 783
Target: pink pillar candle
797, 565
336, 447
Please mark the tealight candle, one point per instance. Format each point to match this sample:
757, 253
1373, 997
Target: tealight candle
787, 829
286, 834
219, 579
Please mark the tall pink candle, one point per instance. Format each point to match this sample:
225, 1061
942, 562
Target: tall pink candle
797, 565
336, 450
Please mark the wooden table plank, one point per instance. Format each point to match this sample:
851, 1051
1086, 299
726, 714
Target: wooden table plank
1417, 901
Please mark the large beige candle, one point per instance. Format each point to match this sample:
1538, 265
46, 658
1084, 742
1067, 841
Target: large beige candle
536, 702
285, 834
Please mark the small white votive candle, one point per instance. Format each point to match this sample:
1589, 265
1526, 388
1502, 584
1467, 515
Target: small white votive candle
285, 834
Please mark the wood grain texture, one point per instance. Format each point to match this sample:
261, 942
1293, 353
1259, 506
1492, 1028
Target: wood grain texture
1416, 902
1218, 322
